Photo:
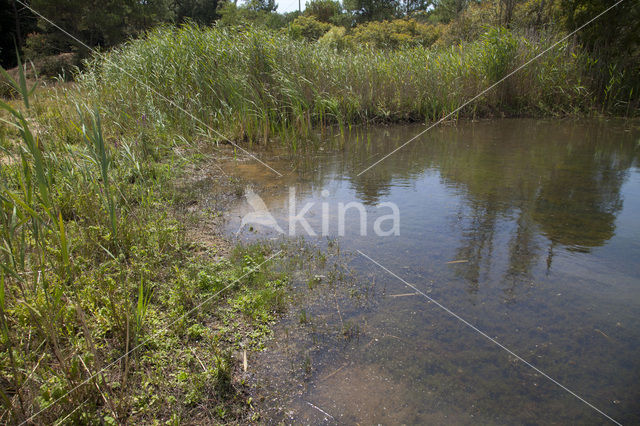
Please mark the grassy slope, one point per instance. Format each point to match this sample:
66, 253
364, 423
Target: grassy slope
94, 263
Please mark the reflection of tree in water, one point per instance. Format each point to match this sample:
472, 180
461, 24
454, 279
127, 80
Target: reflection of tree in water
570, 193
578, 208
523, 251
562, 181
370, 192
478, 237
573, 200
365, 146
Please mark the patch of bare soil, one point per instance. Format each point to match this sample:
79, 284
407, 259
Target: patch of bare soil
207, 188
203, 193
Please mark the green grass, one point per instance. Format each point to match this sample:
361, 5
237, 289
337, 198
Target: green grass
93, 264
256, 85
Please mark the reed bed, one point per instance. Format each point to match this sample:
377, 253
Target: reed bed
256, 85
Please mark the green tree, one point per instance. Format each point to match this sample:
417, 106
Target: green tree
323, 10
447, 10
372, 10
261, 5
98, 22
410, 7
200, 11
233, 15
617, 32
15, 22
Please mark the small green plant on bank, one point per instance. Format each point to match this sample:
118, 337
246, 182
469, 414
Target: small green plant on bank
97, 281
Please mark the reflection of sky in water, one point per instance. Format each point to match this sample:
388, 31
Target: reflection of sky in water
544, 216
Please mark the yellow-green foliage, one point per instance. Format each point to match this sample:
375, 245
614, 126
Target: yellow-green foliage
335, 38
469, 24
308, 28
392, 34
538, 14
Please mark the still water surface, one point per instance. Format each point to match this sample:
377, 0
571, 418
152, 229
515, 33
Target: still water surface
529, 230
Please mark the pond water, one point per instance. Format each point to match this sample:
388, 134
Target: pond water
528, 230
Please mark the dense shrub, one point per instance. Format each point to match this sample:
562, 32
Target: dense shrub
469, 24
38, 46
539, 15
308, 28
392, 34
335, 38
